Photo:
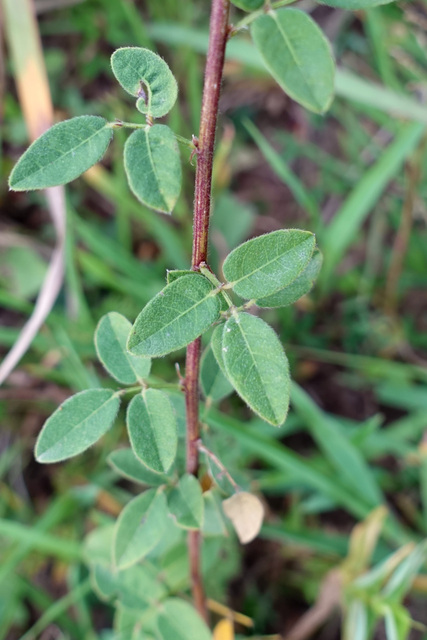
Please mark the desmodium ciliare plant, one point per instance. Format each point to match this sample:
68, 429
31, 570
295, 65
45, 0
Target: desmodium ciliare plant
243, 353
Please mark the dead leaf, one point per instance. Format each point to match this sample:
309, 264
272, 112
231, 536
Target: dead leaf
246, 513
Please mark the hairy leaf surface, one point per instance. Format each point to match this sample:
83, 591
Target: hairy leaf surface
213, 382
145, 75
216, 346
111, 336
153, 167
139, 528
63, 153
264, 265
256, 366
179, 314
299, 287
125, 462
185, 503
248, 5
297, 55
152, 430
77, 424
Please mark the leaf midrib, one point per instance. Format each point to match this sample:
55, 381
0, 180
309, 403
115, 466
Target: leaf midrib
61, 157
77, 426
295, 58
238, 324
266, 264
178, 317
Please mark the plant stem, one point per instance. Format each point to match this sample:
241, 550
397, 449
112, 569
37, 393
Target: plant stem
218, 35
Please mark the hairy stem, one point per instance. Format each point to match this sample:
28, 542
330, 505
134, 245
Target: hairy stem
218, 34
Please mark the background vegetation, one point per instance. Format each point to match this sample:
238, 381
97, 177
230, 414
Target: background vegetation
358, 347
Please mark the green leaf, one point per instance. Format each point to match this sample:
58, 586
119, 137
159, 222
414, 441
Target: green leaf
127, 465
77, 424
63, 153
153, 167
146, 76
216, 346
398, 623
139, 587
104, 581
256, 366
174, 274
214, 384
179, 314
353, 5
152, 430
178, 620
248, 5
111, 336
136, 587
133, 625
297, 55
300, 287
185, 503
139, 528
213, 523
264, 265
97, 545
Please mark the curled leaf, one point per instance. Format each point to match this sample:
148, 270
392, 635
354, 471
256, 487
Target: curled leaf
145, 75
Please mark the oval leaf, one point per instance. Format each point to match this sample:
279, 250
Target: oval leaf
77, 424
180, 621
127, 465
256, 366
111, 336
63, 153
146, 76
152, 430
214, 384
248, 5
264, 265
300, 287
139, 528
246, 513
185, 503
153, 167
179, 314
297, 55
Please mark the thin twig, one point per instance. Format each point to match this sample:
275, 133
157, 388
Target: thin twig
219, 464
218, 35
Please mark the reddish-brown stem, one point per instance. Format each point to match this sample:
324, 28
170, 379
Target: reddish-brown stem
218, 34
